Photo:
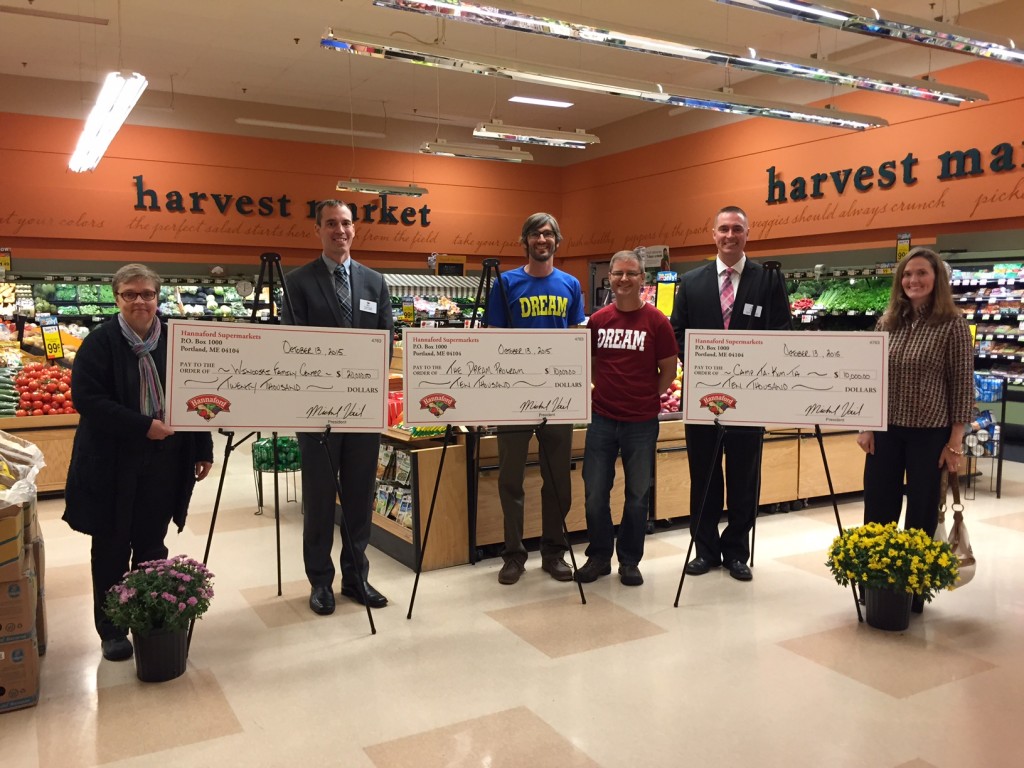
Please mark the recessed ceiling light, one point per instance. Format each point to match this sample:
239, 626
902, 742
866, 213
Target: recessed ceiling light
541, 102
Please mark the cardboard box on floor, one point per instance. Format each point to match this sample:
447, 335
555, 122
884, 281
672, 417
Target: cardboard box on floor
32, 529
18, 600
19, 674
39, 559
12, 542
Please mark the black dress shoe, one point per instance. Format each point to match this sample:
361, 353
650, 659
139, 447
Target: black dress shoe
374, 599
321, 601
739, 570
699, 566
117, 649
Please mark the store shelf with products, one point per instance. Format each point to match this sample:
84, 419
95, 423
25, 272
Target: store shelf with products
407, 470
991, 297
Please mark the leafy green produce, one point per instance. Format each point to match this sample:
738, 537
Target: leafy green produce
105, 294
88, 294
66, 292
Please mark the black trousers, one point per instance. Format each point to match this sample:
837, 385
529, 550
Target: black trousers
905, 452
354, 456
742, 446
144, 512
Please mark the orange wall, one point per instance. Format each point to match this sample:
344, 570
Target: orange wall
663, 194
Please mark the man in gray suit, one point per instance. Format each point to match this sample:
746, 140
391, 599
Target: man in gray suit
333, 291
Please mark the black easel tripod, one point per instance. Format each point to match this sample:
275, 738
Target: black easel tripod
270, 271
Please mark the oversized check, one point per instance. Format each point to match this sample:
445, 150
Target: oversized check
496, 376
798, 378
276, 378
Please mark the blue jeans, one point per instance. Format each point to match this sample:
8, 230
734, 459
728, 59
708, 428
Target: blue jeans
636, 441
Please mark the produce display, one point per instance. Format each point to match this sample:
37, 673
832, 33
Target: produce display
36, 390
199, 301
288, 457
671, 396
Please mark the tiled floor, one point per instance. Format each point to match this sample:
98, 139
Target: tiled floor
774, 673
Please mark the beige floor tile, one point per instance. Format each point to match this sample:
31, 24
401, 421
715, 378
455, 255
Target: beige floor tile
655, 548
292, 606
243, 518
134, 719
900, 664
511, 739
564, 626
1013, 521
68, 581
811, 562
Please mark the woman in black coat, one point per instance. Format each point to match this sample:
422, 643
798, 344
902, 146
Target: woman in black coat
130, 474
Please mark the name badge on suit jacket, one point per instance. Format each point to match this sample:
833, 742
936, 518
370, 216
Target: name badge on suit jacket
368, 306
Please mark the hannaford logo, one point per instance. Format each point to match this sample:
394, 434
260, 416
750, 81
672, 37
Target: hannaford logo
718, 403
437, 404
208, 406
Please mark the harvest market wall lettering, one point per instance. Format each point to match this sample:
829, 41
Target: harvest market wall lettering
953, 164
200, 202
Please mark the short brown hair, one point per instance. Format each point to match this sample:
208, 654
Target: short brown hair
941, 309
130, 272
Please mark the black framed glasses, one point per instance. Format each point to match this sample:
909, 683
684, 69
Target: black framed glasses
131, 296
619, 275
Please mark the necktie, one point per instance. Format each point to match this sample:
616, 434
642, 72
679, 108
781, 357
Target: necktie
728, 296
344, 291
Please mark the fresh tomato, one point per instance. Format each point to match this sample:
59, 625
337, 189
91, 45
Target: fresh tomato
63, 387
21, 412
58, 399
37, 412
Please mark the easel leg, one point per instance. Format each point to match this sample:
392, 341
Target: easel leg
835, 507
695, 522
564, 509
228, 448
430, 517
757, 497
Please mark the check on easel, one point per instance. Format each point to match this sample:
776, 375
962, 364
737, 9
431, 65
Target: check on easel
477, 377
791, 378
278, 378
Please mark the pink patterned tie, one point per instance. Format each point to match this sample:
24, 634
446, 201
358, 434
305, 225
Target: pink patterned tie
727, 296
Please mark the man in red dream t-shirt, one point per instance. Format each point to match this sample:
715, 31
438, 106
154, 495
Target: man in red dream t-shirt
634, 360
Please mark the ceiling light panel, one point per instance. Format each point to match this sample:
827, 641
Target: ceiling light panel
475, 152
541, 102
590, 31
570, 139
862, 20
430, 56
355, 185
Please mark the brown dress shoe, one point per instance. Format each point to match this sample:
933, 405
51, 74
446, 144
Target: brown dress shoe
510, 572
557, 567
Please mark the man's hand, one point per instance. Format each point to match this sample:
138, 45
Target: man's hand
203, 469
866, 440
158, 430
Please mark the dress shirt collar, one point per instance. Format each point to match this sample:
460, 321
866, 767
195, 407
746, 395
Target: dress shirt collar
737, 267
331, 265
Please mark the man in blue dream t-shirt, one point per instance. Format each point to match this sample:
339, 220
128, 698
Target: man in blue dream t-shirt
535, 296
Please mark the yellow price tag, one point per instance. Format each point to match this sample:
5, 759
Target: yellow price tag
52, 343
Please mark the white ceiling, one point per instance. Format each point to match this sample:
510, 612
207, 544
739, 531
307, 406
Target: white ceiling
213, 61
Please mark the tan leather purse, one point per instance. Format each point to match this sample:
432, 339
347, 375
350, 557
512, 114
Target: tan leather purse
958, 538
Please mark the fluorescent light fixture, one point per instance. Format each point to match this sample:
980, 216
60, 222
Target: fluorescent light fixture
310, 128
118, 96
474, 152
589, 31
541, 102
431, 56
498, 130
355, 185
838, 14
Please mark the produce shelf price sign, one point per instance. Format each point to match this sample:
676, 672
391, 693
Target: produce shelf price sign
51, 339
786, 378
278, 378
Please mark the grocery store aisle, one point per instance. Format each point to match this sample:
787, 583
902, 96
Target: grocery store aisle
772, 673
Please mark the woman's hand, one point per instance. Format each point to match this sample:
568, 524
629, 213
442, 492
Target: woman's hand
866, 440
203, 469
158, 430
949, 459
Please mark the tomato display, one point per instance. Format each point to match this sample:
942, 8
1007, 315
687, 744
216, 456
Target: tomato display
38, 390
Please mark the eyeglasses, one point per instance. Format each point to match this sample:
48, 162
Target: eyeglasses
546, 235
619, 275
131, 296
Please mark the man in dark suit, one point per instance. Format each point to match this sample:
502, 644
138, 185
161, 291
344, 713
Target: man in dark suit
731, 293
334, 291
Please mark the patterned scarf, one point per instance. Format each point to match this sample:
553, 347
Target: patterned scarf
151, 392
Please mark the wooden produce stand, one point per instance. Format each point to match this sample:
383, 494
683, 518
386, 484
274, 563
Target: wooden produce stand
54, 435
490, 525
449, 532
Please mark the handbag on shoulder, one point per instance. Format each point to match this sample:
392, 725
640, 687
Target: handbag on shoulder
958, 538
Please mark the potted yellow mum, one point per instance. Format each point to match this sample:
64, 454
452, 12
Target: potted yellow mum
890, 566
